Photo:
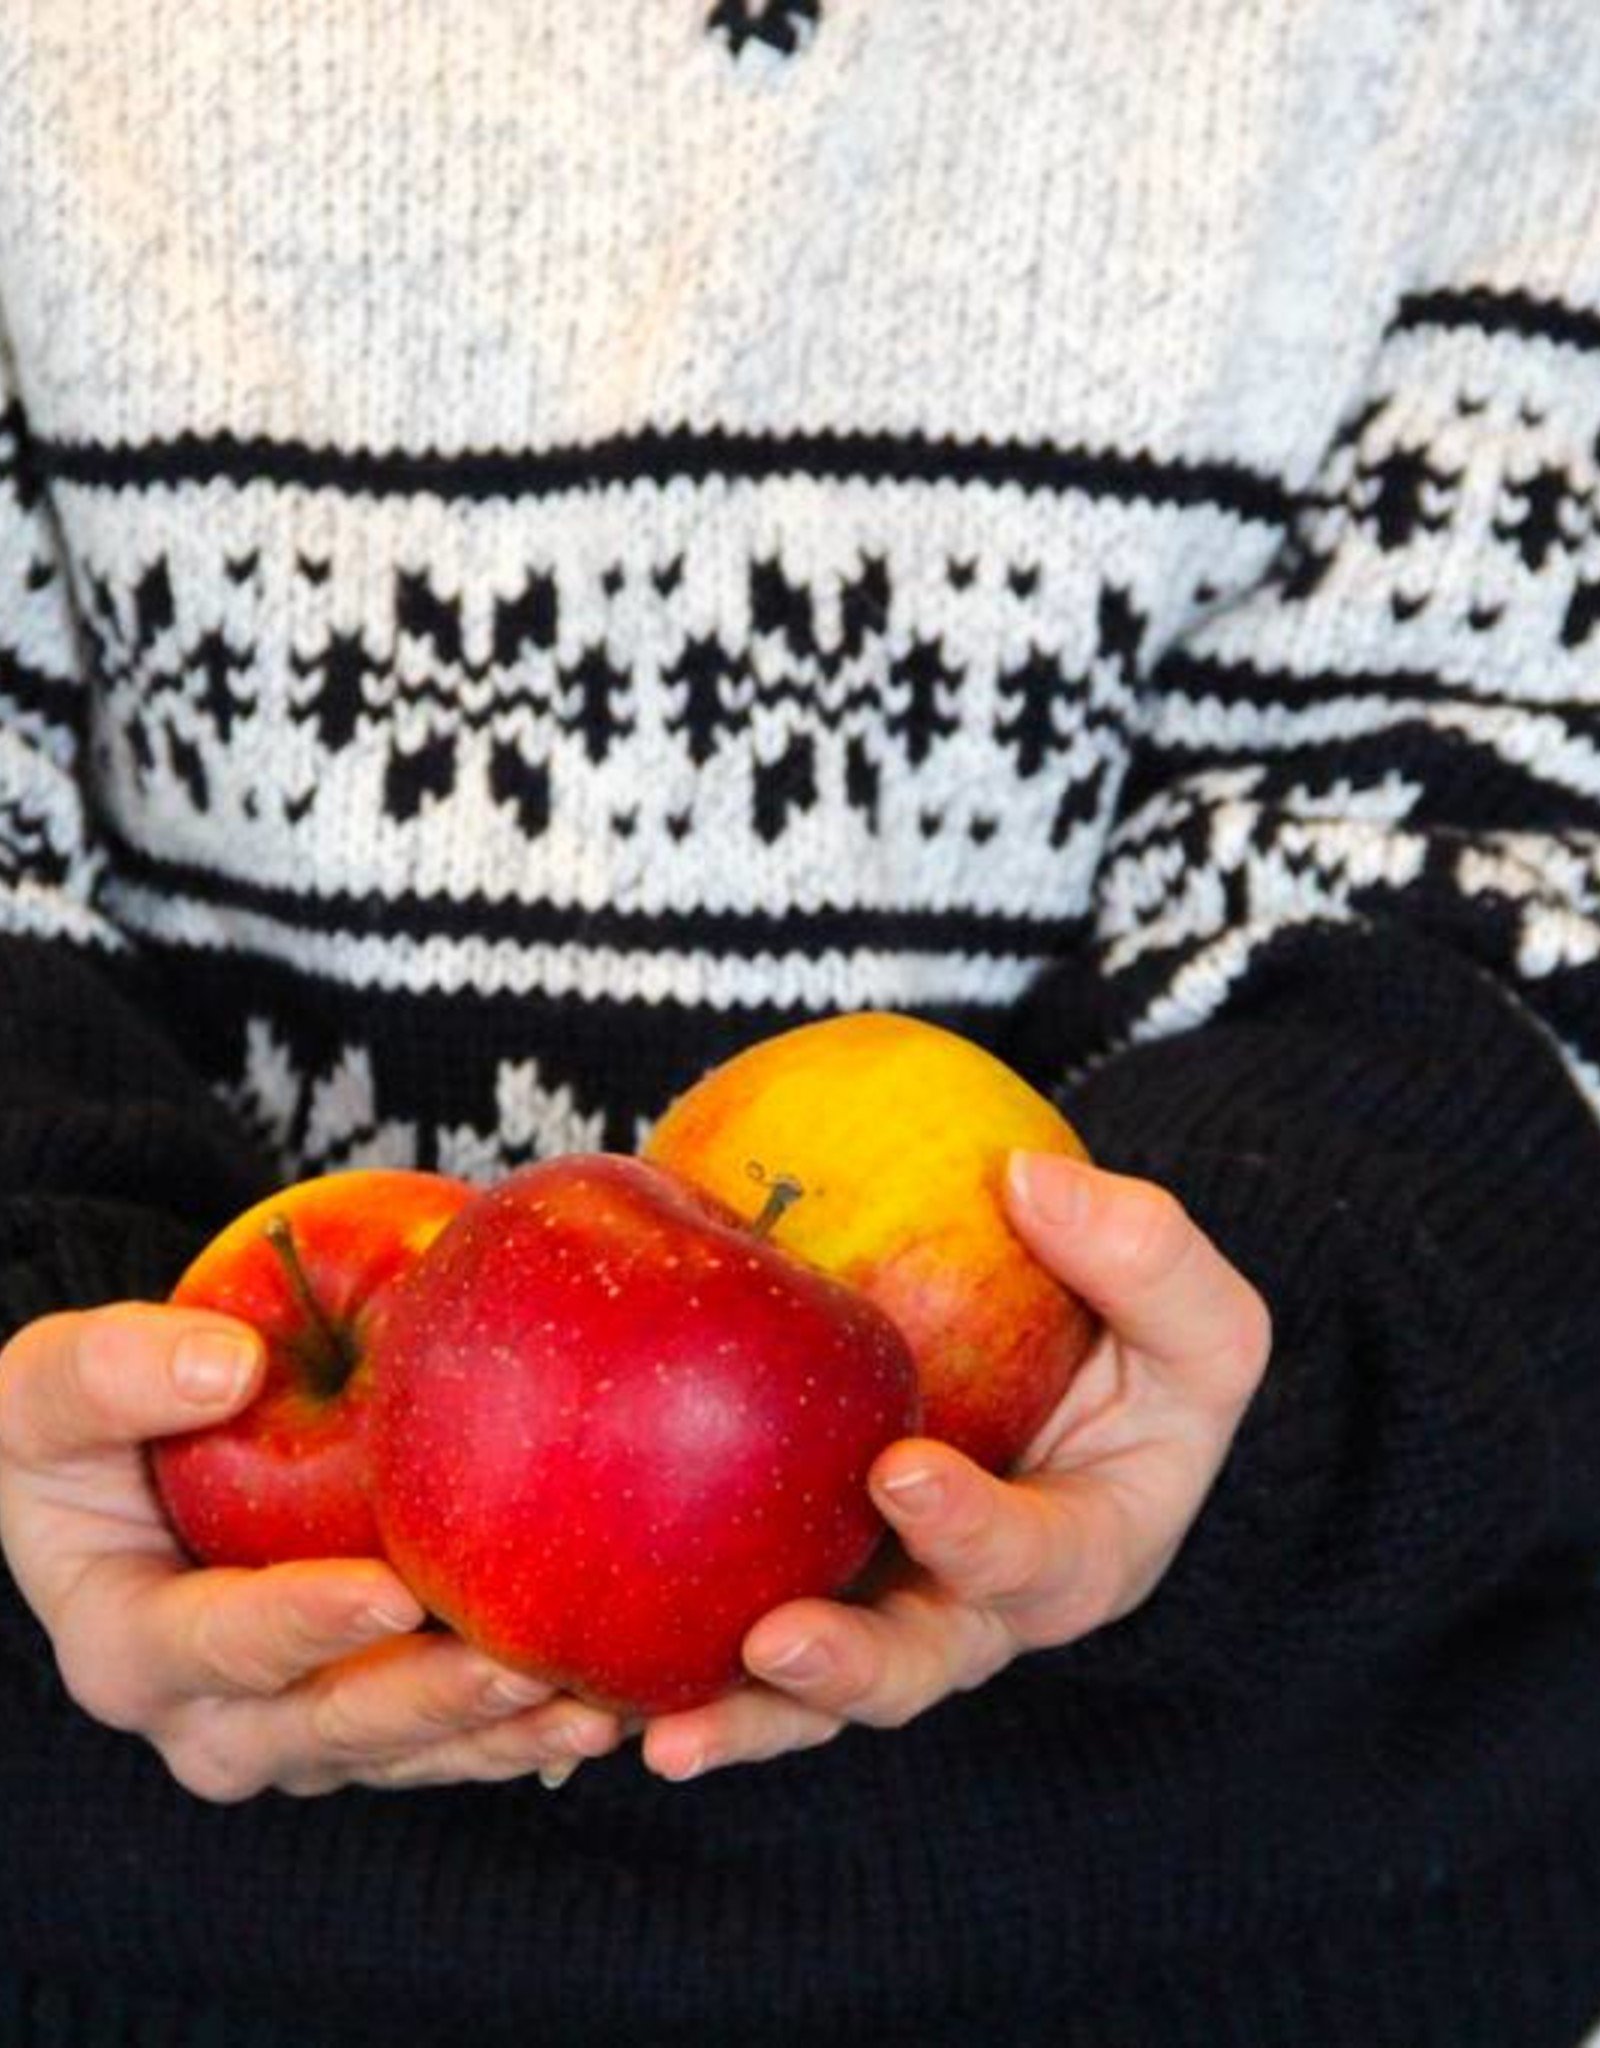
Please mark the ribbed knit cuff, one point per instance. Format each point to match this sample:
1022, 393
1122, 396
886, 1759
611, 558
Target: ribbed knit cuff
1394, 1153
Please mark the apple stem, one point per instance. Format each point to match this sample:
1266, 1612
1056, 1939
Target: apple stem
335, 1358
783, 1191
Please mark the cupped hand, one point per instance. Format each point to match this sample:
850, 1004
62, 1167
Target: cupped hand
1079, 1533
303, 1677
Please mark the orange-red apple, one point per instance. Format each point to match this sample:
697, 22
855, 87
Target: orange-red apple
612, 1426
894, 1135
312, 1268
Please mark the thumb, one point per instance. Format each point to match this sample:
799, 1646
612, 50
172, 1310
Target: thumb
1132, 1251
87, 1381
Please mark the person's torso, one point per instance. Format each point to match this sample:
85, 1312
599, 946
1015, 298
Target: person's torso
639, 524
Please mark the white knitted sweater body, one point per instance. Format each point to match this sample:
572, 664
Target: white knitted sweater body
585, 505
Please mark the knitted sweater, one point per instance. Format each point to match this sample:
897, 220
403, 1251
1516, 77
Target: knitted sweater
539, 544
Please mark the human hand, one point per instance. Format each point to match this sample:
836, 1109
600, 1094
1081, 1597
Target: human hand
1077, 1536
302, 1676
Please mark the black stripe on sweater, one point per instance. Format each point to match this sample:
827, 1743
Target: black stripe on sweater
661, 455
1501, 312
737, 932
54, 698
1214, 678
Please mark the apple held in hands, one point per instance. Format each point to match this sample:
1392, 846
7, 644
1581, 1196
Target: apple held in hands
312, 1269
613, 1426
896, 1133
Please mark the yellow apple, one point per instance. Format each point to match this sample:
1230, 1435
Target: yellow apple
876, 1146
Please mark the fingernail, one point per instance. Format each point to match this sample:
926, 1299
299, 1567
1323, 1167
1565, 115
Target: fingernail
553, 1776
690, 1767
1053, 1184
914, 1493
804, 1660
211, 1366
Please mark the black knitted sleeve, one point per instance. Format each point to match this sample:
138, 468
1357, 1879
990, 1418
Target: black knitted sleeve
1343, 996
1397, 1157
116, 1162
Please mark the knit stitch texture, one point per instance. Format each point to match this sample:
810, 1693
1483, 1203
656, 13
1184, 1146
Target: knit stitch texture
540, 544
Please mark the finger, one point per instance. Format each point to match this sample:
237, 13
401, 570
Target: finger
750, 1725
1036, 1560
1006, 1566
405, 1696
434, 1711
880, 1665
343, 1723
884, 1665
550, 1741
989, 1542
83, 1382
137, 1633
257, 1633
1131, 1251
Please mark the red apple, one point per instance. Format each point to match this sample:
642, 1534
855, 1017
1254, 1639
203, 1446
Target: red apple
312, 1269
613, 1426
